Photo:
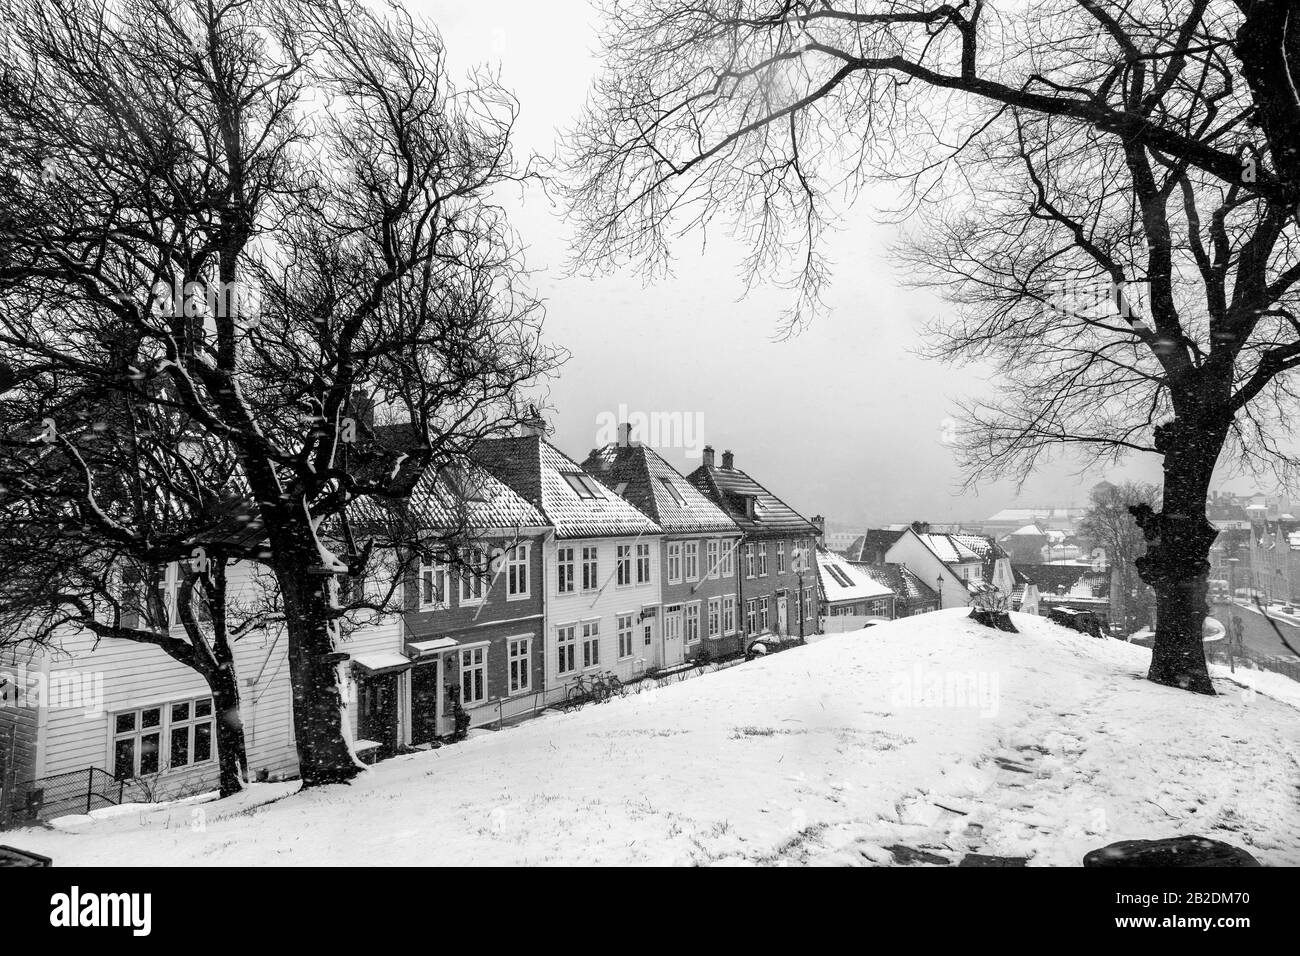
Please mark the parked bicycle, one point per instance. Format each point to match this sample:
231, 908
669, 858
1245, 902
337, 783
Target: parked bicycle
596, 688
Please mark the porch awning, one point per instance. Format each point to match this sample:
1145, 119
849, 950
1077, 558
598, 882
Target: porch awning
431, 646
381, 662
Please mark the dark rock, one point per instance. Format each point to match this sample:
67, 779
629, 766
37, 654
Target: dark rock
907, 854
999, 620
1172, 851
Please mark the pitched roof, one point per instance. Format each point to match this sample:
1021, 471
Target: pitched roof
949, 548
900, 579
1052, 578
643, 477
729, 487
573, 502
872, 545
843, 581
470, 497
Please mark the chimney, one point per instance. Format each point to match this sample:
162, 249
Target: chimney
708, 456
819, 523
625, 435
728, 459
533, 424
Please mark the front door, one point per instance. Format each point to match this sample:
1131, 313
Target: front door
424, 703
781, 616
377, 710
672, 635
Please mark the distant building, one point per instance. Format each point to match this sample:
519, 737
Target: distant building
911, 594
849, 594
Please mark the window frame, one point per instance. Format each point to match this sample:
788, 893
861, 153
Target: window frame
626, 627
474, 666
164, 731
523, 566
569, 643
691, 560
590, 644
560, 564
674, 559
519, 663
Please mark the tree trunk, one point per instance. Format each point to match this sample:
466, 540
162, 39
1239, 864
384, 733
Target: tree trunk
1177, 563
325, 752
231, 753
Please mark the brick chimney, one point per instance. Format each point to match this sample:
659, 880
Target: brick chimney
625, 435
819, 523
728, 459
708, 456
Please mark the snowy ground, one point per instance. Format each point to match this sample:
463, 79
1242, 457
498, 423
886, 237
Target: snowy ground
931, 733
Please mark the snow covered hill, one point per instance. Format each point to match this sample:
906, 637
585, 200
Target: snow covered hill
931, 733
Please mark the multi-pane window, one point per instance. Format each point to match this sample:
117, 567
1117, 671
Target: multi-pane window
711, 558
517, 571
624, 636
780, 557
567, 641
623, 566
762, 559
187, 728
564, 565
674, 562
590, 577
520, 657
643, 563
728, 614
471, 577
751, 616
591, 644
749, 560
647, 632
763, 614
691, 560
715, 617
473, 675
728, 559
691, 622
433, 583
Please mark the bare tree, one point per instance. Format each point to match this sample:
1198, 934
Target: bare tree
1105, 191
265, 217
1109, 524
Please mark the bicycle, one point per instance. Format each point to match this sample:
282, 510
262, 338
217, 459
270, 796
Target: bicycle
597, 688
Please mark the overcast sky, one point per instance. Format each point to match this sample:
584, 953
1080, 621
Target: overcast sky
843, 420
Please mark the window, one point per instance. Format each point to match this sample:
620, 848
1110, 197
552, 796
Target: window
729, 614
623, 566
780, 557
673, 492
674, 562
749, 560
583, 485
624, 636
433, 583
471, 577
762, 614
751, 616
691, 560
473, 675
643, 563
647, 631
728, 559
591, 644
590, 579
711, 558
520, 656
567, 641
191, 725
188, 726
840, 577
564, 565
691, 622
762, 559
517, 572
715, 617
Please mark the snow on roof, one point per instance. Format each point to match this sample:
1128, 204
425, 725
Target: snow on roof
842, 581
949, 549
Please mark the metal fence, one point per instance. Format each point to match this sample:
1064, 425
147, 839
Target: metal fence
79, 791
1252, 660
